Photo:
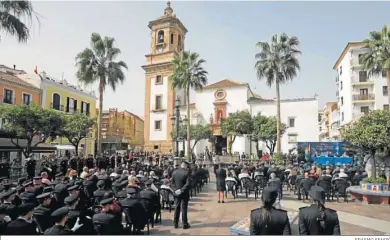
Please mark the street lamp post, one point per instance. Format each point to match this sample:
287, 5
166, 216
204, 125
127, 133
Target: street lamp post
177, 118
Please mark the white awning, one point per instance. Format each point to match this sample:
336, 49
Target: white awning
65, 147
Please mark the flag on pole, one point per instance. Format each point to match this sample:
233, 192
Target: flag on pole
36, 70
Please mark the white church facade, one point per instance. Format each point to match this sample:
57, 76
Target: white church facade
215, 101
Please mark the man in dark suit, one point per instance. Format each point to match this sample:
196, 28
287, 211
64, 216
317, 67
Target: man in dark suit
181, 185
132, 205
23, 225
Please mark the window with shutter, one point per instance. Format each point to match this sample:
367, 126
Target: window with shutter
67, 104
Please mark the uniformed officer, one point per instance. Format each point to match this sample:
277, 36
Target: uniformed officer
99, 193
43, 212
316, 219
60, 216
181, 185
7, 197
152, 198
106, 222
23, 225
268, 220
64, 166
29, 194
73, 163
74, 213
31, 164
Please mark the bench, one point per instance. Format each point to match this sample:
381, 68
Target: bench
371, 197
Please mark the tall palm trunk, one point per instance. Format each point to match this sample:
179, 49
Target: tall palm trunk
388, 83
99, 133
278, 143
188, 124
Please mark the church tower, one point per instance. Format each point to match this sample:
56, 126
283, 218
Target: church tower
167, 38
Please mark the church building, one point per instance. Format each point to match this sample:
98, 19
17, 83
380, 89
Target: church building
214, 102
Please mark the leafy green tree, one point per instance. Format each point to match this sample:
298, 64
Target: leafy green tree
369, 132
236, 125
11, 15
377, 59
76, 127
265, 128
188, 73
32, 124
97, 64
198, 132
277, 63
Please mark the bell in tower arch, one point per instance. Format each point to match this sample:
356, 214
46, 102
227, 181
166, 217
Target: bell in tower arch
160, 37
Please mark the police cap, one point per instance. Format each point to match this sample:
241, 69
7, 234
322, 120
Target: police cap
37, 178
27, 184
100, 183
106, 201
317, 193
60, 213
149, 182
25, 208
48, 189
7, 194
71, 199
44, 195
269, 194
74, 187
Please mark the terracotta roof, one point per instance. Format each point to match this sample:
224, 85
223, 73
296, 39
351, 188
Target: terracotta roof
9, 78
224, 84
349, 45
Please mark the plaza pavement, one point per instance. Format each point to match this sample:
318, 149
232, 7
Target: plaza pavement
207, 217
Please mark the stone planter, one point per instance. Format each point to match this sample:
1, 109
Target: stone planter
374, 187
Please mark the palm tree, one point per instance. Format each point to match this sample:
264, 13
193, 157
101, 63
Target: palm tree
377, 59
97, 64
277, 63
11, 13
188, 73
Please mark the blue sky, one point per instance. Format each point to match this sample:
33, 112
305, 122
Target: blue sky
223, 33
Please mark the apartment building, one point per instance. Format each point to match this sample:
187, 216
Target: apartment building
357, 91
121, 130
327, 121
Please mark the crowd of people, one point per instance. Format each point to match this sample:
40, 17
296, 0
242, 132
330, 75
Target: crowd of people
105, 196
305, 179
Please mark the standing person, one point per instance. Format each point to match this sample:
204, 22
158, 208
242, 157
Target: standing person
23, 225
181, 185
316, 219
220, 175
31, 163
268, 220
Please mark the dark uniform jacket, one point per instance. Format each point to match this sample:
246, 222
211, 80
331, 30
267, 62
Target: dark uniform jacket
58, 230
279, 223
21, 227
309, 223
10, 209
43, 216
150, 195
136, 211
106, 224
180, 180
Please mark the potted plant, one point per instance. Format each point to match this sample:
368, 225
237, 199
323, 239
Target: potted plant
374, 184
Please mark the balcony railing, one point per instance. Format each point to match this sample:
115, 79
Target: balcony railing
363, 97
57, 107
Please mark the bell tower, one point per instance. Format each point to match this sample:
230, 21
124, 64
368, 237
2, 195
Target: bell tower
167, 38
